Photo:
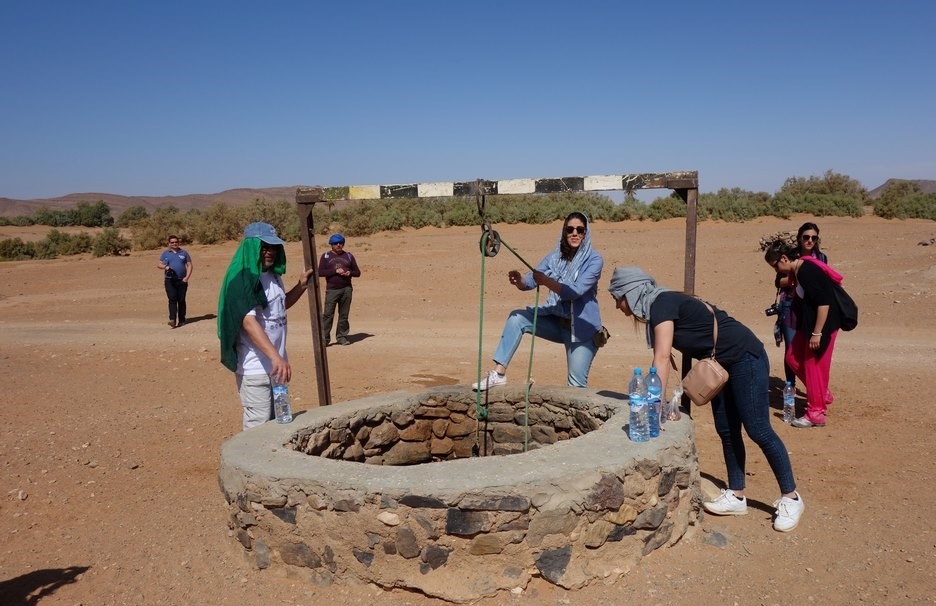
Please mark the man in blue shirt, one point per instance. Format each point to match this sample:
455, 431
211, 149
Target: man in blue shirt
176, 263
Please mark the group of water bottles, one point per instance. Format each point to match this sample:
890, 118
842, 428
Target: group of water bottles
648, 410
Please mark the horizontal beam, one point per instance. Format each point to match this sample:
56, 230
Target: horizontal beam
673, 180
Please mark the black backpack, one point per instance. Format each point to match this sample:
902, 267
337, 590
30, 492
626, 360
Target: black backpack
848, 310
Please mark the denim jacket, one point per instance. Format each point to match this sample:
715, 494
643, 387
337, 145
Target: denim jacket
579, 299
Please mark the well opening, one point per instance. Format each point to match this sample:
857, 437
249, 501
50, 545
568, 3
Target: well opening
443, 426
582, 503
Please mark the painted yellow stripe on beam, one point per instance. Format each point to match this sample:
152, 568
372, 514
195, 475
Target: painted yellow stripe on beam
364, 192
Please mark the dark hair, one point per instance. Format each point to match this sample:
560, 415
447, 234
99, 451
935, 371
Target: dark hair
799, 236
565, 249
779, 248
173, 237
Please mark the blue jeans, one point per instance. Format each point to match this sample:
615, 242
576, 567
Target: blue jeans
744, 402
579, 356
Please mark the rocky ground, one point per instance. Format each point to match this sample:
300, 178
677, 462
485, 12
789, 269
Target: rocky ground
111, 422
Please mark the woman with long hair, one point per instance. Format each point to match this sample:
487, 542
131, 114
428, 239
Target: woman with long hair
675, 320
818, 323
807, 244
570, 314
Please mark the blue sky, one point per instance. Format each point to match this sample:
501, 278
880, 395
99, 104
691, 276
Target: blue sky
171, 97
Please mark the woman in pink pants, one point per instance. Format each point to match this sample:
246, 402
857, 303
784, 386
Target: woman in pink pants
818, 323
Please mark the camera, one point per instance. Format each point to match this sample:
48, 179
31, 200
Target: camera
772, 310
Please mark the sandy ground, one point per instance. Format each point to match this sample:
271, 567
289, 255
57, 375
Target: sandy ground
112, 422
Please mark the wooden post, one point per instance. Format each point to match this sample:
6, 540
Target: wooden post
691, 197
306, 199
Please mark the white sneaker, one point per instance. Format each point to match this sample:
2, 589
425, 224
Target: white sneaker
727, 504
788, 512
491, 380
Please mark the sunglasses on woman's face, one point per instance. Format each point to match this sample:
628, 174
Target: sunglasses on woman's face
808, 238
575, 229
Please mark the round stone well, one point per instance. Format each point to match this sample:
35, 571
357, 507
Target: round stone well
385, 490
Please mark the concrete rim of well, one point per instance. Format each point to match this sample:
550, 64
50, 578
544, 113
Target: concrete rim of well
261, 451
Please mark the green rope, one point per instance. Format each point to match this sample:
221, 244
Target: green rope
482, 411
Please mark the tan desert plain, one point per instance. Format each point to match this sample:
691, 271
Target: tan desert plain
112, 423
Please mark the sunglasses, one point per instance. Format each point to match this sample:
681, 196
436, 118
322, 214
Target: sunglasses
810, 238
576, 229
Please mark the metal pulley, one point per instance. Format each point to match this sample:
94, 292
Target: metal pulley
490, 241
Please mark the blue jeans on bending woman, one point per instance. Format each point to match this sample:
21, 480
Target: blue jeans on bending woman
744, 402
579, 356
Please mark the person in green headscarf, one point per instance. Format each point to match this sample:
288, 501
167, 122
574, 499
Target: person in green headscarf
252, 319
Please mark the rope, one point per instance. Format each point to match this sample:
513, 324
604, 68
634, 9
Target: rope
490, 245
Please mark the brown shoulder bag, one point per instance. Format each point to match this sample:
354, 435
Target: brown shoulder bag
706, 377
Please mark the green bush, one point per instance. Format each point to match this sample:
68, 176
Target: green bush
84, 215
831, 183
18, 221
733, 205
217, 223
903, 200
58, 244
151, 233
632, 209
913, 206
460, 212
131, 216
14, 249
110, 243
94, 215
666, 208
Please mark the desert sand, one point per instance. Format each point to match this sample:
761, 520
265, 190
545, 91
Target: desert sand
112, 422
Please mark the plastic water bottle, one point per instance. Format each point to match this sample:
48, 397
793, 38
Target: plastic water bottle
789, 402
672, 412
654, 401
281, 402
637, 396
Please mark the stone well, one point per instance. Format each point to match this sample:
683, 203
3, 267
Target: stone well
385, 490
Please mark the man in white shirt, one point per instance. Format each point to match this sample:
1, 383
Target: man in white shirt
252, 319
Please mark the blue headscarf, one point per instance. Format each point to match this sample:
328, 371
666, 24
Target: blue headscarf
563, 270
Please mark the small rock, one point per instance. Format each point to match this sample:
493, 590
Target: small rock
715, 539
389, 518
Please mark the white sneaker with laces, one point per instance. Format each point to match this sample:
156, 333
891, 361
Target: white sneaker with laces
727, 504
788, 513
493, 379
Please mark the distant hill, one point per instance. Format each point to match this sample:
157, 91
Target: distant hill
232, 197
117, 203
926, 186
